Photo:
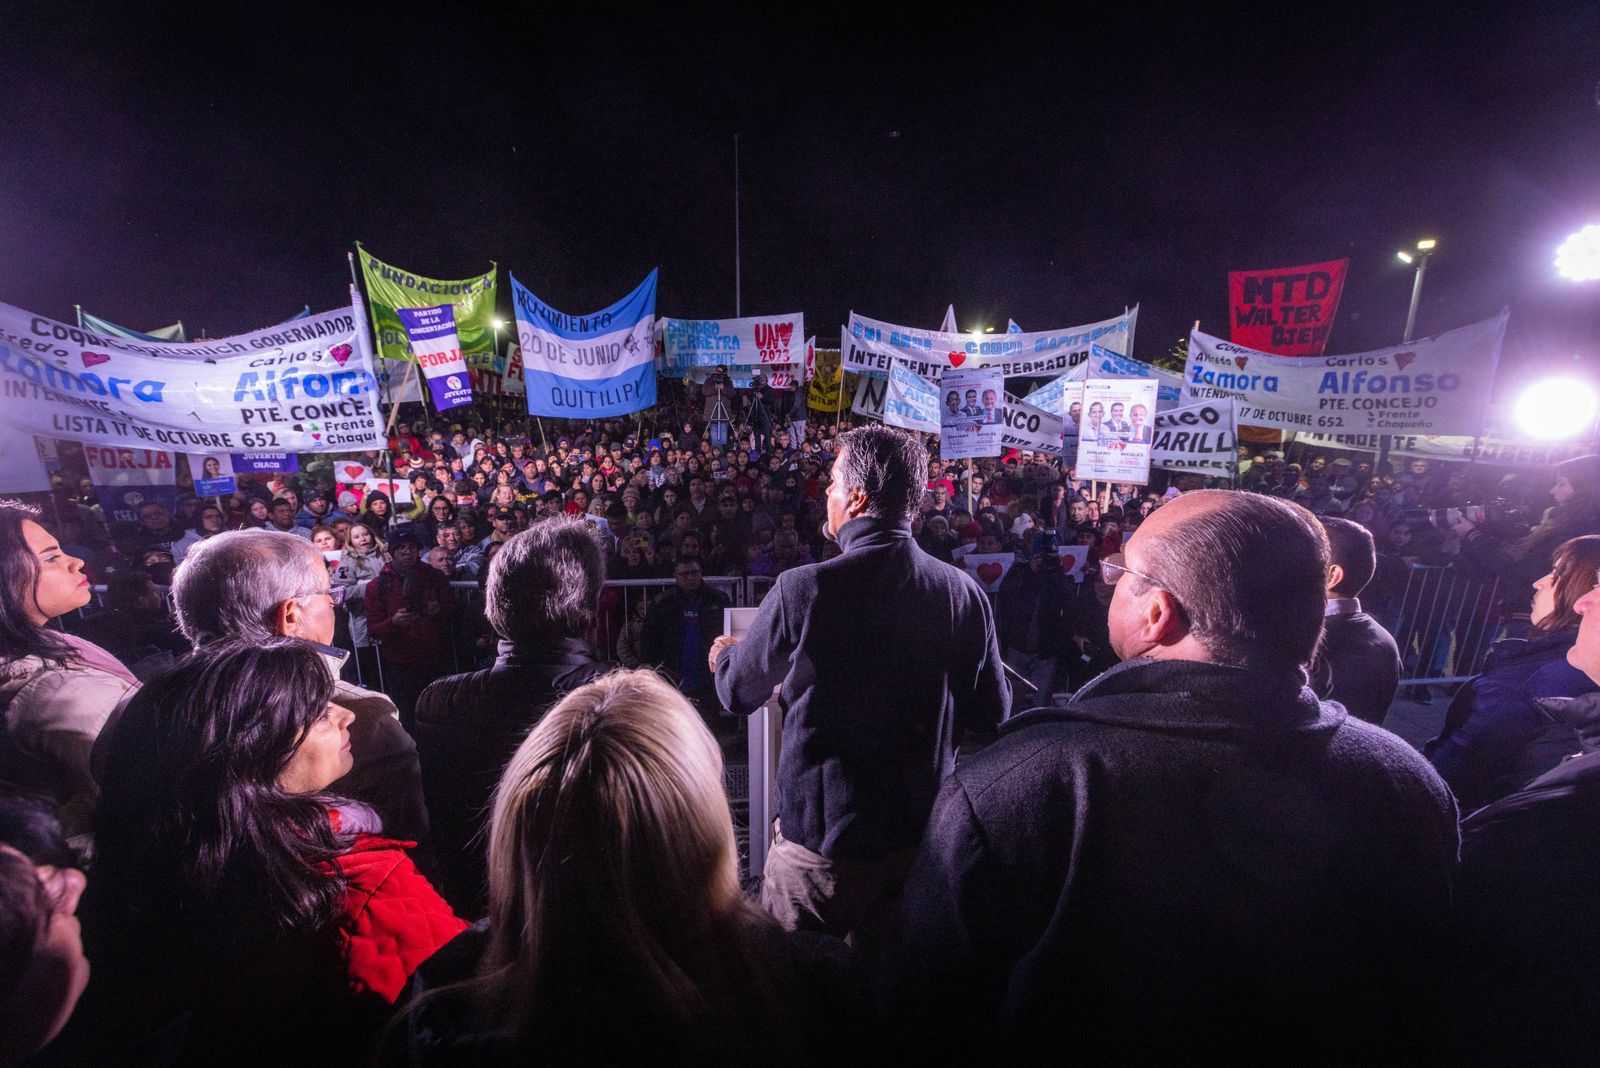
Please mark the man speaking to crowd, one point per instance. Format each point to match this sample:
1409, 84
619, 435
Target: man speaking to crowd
882, 658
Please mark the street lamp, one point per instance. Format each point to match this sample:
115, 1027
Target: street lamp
1578, 258
499, 325
1423, 253
1420, 257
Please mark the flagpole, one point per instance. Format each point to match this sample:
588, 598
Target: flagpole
79, 309
738, 287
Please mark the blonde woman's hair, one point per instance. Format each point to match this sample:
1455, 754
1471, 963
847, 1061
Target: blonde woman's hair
612, 864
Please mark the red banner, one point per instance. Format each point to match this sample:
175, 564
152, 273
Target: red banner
1287, 311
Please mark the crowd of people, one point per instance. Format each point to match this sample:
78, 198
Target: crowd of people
1136, 801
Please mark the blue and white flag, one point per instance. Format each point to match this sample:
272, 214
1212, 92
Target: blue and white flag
107, 327
580, 366
1012, 327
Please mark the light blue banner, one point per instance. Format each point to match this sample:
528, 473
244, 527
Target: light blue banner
1107, 363
584, 366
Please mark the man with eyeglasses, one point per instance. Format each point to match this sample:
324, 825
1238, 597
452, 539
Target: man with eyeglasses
258, 584
1193, 852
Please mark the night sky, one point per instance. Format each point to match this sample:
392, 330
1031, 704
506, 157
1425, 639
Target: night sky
157, 168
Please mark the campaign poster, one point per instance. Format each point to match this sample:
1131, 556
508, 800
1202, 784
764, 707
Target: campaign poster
970, 417
1115, 436
1199, 439
873, 345
1031, 428
125, 480
306, 386
264, 463
1431, 385
759, 340
213, 474
438, 353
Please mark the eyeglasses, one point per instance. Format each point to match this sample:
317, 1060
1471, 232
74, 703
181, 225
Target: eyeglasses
1112, 569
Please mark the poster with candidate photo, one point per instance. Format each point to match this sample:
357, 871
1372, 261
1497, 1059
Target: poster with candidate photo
213, 474
1117, 429
970, 414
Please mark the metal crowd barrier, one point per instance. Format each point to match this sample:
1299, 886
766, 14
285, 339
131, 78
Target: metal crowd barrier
1444, 623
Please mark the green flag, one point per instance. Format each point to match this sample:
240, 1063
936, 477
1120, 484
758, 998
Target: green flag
391, 287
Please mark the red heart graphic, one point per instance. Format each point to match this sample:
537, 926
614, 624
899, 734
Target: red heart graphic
340, 354
957, 359
785, 333
1403, 360
354, 471
92, 359
990, 573
316, 437
1241, 361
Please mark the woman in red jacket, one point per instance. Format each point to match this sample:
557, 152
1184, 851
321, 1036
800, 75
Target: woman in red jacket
238, 907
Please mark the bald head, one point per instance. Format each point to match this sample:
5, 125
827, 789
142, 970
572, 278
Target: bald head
1247, 571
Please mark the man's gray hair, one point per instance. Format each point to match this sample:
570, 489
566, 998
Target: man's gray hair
888, 465
230, 584
1250, 577
543, 583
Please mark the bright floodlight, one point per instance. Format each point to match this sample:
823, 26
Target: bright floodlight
1578, 258
498, 323
1554, 409
1403, 256
1427, 244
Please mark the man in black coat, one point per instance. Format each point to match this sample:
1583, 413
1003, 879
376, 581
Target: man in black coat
1194, 856
883, 658
540, 599
1034, 619
1358, 663
678, 630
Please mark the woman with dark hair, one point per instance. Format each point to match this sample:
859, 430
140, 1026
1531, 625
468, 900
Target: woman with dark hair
209, 521
441, 513
1497, 736
221, 858
1495, 548
56, 689
256, 515
614, 888
377, 512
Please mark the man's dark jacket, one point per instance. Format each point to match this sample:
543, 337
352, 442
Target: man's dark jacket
883, 656
1186, 858
1020, 596
1357, 666
1529, 911
661, 637
468, 726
